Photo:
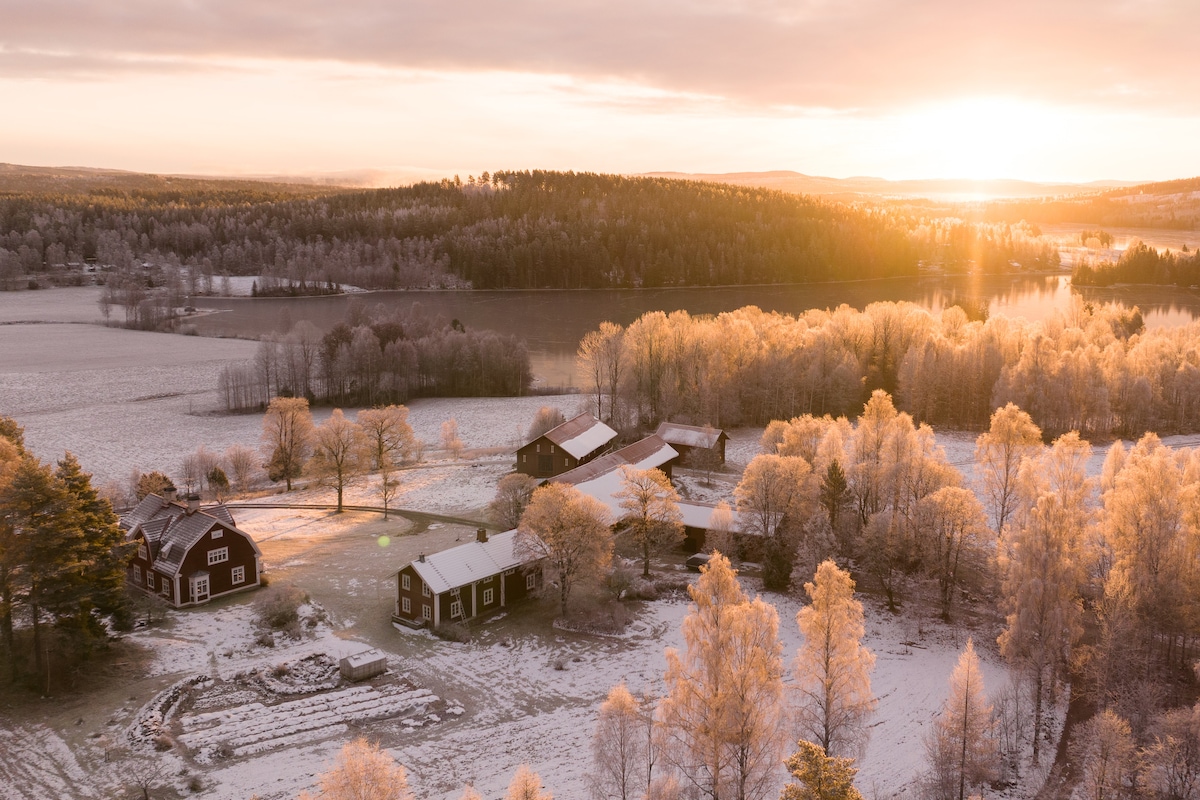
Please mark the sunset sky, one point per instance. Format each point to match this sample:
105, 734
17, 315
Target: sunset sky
1073, 90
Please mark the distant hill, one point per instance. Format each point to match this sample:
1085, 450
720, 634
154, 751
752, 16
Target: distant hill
846, 188
19, 179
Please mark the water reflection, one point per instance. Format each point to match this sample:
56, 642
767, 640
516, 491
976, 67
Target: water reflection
552, 322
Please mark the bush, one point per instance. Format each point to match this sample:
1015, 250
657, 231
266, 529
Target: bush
642, 590
279, 607
452, 632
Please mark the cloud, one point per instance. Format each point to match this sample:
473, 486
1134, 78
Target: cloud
862, 55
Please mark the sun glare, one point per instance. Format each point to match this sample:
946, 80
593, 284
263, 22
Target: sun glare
979, 137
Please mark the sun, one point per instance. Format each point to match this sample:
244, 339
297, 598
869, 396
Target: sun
974, 138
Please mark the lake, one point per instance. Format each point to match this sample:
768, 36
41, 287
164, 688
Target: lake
553, 322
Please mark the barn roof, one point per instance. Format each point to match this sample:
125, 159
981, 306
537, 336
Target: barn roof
581, 435
689, 435
649, 453
470, 562
174, 530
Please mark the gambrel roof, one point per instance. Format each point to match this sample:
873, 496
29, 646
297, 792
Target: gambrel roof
474, 561
170, 530
581, 435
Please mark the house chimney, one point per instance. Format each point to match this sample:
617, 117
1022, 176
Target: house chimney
193, 503
169, 493
421, 558
481, 535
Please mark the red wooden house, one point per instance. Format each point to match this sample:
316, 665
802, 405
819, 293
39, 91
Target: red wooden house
187, 555
464, 582
577, 441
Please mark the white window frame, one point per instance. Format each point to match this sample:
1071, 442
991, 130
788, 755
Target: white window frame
218, 556
137, 574
143, 553
149, 579
426, 612
456, 609
531, 581
217, 533
425, 590
237, 575
197, 582
406, 605
406, 582
488, 596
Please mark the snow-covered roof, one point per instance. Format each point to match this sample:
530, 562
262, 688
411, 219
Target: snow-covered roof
699, 515
649, 453
581, 435
689, 435
470, 562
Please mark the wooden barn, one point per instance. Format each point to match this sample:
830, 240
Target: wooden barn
577, 441
689, 438
187, 555
464, 582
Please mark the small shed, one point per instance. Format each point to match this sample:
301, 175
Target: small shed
364, 665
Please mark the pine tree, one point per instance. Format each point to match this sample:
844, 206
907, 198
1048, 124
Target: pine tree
960, 747
651, 507
722, 711
835, 494
819, 776
526, 785
833, 669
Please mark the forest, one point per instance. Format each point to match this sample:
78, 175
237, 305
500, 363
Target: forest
376, 358
1168, 204
513, 230
1091, 368
1140, 263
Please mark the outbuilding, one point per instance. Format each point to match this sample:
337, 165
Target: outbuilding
577, 441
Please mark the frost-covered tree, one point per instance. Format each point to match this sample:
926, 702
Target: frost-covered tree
513, 493
651, 505
451, 442
620, 748
241, 465
287, 438
526, 785
833, 669
723, 709
546, 419
1106, 752
1011, 438
955, 534
571, 531
387, 432
775, 494
819, 776
602, 358
339, 452
960, 747
363, 771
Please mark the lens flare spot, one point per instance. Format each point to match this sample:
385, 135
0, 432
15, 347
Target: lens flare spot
384, 541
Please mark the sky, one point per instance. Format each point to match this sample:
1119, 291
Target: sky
1050, 90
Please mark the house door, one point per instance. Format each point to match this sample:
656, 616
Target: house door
200, 589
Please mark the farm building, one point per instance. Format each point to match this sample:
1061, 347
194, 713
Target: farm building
577, 441
689, 438
464, 582
364, 665
187, 555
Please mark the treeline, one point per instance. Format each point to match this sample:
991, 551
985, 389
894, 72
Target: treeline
1141, 263
1091, 368
62, 566
1170, 204
378, 358
504, 230
954, 245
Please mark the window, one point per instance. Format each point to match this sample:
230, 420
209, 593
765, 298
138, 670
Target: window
218, 533
488, 594
405, 582
406, 605
238, 575
424, 589
539, 448
166, 588
142, 554
530, 581
426, 612
218, 556
455, 608
149, 579
199, 588
524, 458
137, 574
551, 449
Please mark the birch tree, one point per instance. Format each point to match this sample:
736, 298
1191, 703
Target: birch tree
833, 669
620, 763
722, 711
339, 451
526, 785
387, 432
1106, 753
363, 771
960, 747
956, 534
513, 493
999, 451
287, 438
651, 507
774, 495
571, 531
